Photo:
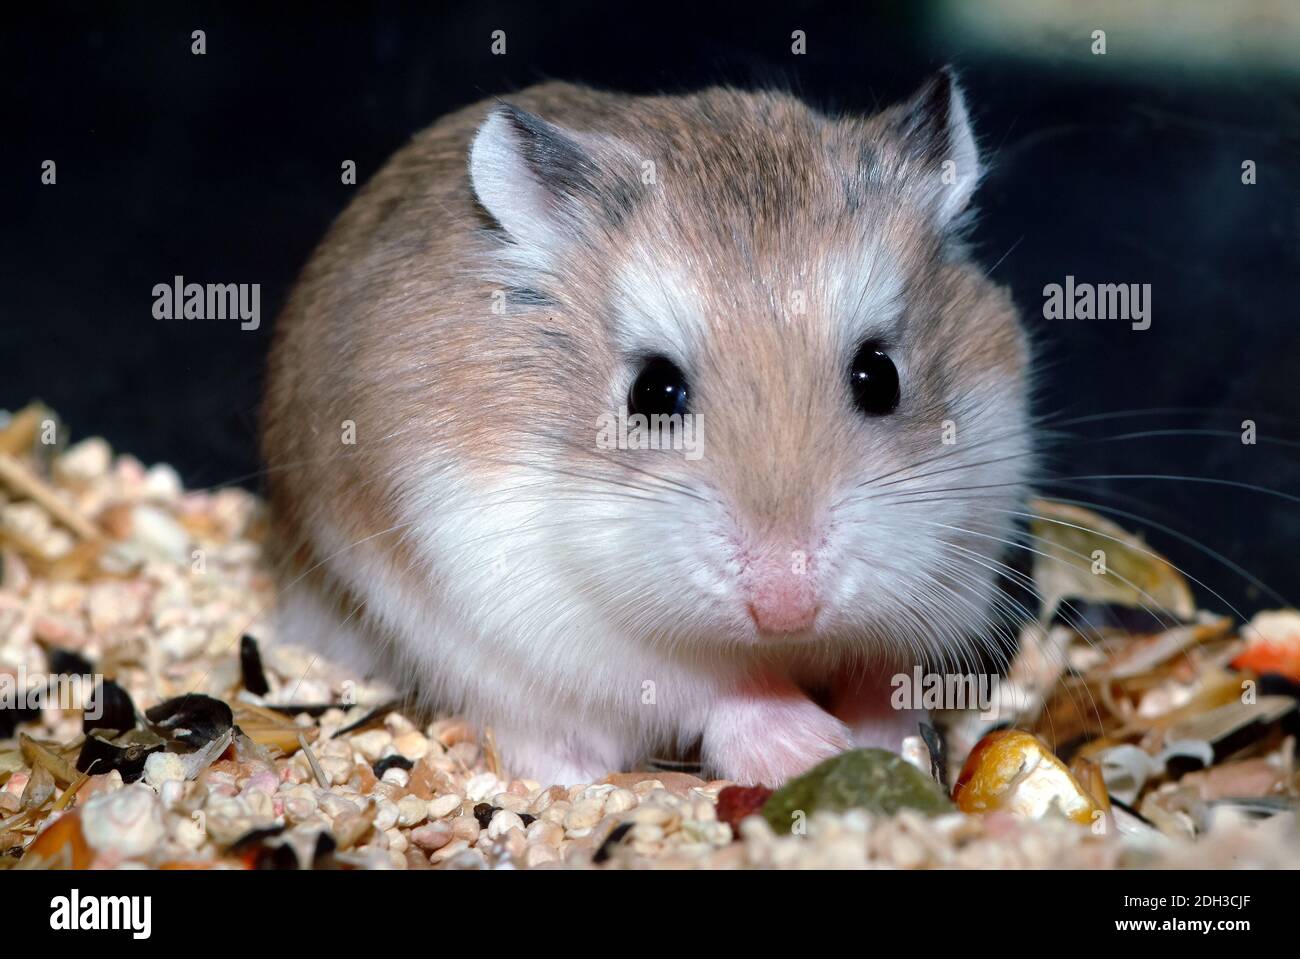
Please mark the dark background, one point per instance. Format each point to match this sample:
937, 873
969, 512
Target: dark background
226, 168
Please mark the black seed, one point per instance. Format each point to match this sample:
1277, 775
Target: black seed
1176, 767
394, 761
11, 717
613, 839
64, 662
1132, 812
113, 703
99, 756
373, 716
281, 857
250, 667
193, 719
324, 850
256, 837
484, 812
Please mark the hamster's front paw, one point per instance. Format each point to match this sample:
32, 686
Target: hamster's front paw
769, 731
559, 757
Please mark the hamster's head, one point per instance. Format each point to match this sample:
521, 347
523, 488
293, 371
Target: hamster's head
773, 402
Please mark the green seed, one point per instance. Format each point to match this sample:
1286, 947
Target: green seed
871, 779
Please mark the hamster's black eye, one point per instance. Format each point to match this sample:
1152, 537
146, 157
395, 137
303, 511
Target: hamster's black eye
874, 381
660, 388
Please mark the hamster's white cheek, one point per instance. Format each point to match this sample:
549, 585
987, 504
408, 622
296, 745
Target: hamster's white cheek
709, 582
669, 565
884, 556
919, 536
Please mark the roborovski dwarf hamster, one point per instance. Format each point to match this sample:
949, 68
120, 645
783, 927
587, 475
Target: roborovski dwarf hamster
793, 283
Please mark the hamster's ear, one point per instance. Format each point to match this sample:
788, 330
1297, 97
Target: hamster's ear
532, 176
936, 146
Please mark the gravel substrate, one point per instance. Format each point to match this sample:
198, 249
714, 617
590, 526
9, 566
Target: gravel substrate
156, 587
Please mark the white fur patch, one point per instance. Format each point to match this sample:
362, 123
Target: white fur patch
657, 310
505, 185
864, 292
966, 170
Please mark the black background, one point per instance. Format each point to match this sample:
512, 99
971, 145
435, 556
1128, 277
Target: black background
225, 168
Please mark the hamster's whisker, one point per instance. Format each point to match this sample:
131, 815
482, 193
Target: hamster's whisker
1012, 611
311, 569
954, 451
1065, 609
1039, 426
988, 563
680, 487
565, 524
507, 495
912, 622
636, 468
962, 632
598, 479
1158, 411
1043, 438
961, 466
1071, 619
1048, 487
1226, 434
1182, 478
1018, 431
1074, 624
903, 495
1168, 620
1196, 544
663, 484
998, 567
939, 617
1191, 541
928, 494
338, 628
1135, 548
1076, 440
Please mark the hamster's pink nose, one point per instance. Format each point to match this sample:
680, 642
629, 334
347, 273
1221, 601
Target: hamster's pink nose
781, 595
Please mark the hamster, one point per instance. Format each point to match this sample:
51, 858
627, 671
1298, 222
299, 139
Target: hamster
529, 271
